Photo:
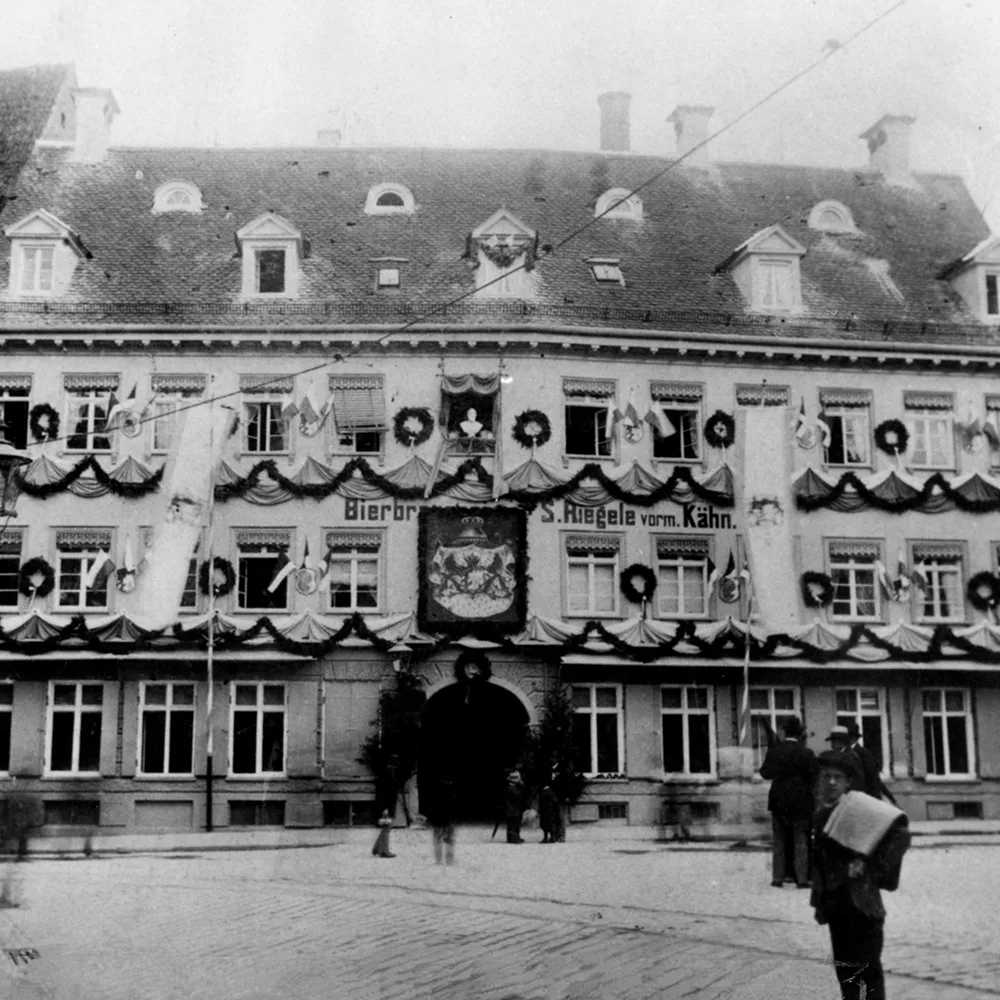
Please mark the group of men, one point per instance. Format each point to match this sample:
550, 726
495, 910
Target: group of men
837, 832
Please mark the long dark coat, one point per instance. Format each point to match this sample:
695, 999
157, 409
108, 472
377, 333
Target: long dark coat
791, 769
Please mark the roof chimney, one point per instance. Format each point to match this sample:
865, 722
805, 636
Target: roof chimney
691, 128
95, 111
329, 137
889, 148
614, 121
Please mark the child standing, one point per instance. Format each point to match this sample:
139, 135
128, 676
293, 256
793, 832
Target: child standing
381, 848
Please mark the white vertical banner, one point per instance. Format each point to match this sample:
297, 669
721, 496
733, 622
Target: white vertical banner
196, 454
768, 512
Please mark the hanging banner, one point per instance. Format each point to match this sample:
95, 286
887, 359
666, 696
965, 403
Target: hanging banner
199, 447
767, 515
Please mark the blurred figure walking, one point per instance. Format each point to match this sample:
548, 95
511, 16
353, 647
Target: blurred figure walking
381, 847
514, 807
550, 816
442, 820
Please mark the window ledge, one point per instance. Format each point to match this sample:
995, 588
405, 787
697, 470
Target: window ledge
951, 779
71, 775
590, 458
691, 779
584, 615
256, 777
164, 777
609, 779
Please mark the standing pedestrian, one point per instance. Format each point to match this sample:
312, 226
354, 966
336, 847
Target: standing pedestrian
790, 766
858, 847
442, 820
381, 847
851, 743
550, 816
514, 807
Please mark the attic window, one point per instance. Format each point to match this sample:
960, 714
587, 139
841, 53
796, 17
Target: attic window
618, 203
177, 196
992, 301
388, 277
607, 270
766, 270
831, 217
44, 254
272, 249
389, 199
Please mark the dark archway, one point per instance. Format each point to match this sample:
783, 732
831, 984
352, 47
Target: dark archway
470, 735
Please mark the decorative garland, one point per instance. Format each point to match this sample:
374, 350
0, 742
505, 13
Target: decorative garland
479, 663
219, 565
403, 434
892, 437
130, 491
503, 256
532, 418
48, 431
630, 591
35, 567
817, 589
720, 429
983, 591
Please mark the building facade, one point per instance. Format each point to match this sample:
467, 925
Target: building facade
495, 408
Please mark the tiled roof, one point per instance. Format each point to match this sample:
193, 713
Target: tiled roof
26, 99
693, 220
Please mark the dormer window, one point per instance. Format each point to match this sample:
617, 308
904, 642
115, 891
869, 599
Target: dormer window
503, 248
618, 203
389, 199
271, 248
45, 252
976, 279
766, 270
607, 270
388, 273
177, 196
992, 302
831, 217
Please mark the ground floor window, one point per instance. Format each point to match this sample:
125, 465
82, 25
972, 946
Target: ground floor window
598, 732
947, 716
688, 730
268, 813
167, 737
770, 709
74, 744
865, 708
258, 729
73, 812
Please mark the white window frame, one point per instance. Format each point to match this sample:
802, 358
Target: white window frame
944, 714
933, 566
853, 564
597, 401
685, 712
270, 400
854, 422
260, 709
360, 551
76, 400
372, 207
680, 561
86, 555
607, 270
930, 427
38, 250
169, 708
678, 401
619, 203
861, 712
78, 710
388, 277
164, 193
241, 555
775, 716
593, 711
599, 555
774, 295
7, 710
11, 551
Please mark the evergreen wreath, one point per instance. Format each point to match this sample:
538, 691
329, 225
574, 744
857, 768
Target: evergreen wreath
34, 567
720, 429
524, 421
817, 589
48, 431
892, 437
225, 567
983, 591
629, 589
403, 434
472, 658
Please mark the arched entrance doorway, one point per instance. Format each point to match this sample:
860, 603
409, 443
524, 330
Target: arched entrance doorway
471, 735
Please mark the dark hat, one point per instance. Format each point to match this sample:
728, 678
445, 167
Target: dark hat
792, 726
845, 762
852, 728
838, 732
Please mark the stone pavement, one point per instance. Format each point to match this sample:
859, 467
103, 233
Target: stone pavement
575, 921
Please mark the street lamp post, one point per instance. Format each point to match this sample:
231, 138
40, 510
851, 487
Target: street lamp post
10, 459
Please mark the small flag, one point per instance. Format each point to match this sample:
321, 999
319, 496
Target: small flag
659, 421
883, 579
801, 426
283, 569
901, 585
824, 428
990, 433
309, 408
611, 419
98, 571
306, 561
631, 413
290, 410
325, 568
729, 585
127, 572
917, 577
713, 574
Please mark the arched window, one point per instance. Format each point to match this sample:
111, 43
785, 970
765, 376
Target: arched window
831, 217
177, 196
389, 199
618, 203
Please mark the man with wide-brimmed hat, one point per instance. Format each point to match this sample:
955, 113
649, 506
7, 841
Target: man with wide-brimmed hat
858, 847
790, 766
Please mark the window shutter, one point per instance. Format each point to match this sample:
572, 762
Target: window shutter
301, 705
358, 404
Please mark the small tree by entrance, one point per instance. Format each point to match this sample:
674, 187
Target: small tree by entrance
550, 757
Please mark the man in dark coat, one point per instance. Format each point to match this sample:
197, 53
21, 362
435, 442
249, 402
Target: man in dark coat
550, 816
514, 807
844, 739
846, 881
790, 766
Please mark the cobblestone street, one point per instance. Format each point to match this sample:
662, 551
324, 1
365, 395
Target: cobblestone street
615, 919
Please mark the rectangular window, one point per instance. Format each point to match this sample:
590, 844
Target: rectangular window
940, 591
354, 570
388, 277
992, 300
74, 723
682, 577
847, 415
36, 270
263, 570
948, 732
10, 567
166, 738
189, 596
855, 588
14, 390
165, 417
770, 709
586, 417
270, 271
359, 420
267, 428
930, 421
776, 288
592, 574
87, 420
677, 431
598, 730
83, 569
257, 745
269, 812
688, 728
6, 713
607, 270
865, 707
